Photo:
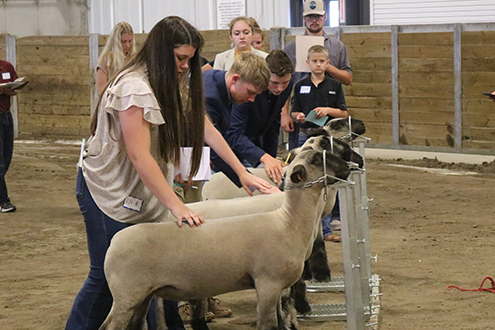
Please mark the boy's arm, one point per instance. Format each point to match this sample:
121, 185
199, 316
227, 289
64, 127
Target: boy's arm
296, 111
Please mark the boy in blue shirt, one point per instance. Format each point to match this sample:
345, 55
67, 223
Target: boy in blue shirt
318, 93
324, 96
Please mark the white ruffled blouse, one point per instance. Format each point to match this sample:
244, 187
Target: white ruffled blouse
112, 180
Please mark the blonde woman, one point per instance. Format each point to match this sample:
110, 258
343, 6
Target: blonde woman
118, 49
241, 34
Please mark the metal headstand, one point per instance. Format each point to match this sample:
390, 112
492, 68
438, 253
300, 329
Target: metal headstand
361, 306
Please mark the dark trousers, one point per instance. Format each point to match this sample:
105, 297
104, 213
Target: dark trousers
94, 300
6, 150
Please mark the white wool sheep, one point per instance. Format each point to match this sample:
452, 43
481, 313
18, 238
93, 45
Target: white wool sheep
266, 251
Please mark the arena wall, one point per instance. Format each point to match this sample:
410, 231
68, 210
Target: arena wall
414, 88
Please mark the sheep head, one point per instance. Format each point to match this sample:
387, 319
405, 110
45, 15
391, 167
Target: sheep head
308, 167
336, 147
339, 127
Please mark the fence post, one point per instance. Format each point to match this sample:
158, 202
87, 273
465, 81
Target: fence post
11, 56
277, 37
457, 86
93, 63
395, 83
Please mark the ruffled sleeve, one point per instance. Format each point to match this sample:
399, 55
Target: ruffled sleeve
133, 89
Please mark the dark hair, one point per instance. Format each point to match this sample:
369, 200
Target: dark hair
184, 123
279, 63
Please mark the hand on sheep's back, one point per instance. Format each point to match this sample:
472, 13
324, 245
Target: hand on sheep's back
183, 214
251, 182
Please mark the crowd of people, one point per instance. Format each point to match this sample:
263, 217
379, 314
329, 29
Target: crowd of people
156, 100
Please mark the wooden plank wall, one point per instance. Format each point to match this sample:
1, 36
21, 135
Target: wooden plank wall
56, 103
426, 89
369, 97
478, 75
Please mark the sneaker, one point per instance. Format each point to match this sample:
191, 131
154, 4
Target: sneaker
215, 308
8, 207
185, 312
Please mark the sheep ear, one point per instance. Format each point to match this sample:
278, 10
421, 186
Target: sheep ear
325, 143
317, 132
298, 174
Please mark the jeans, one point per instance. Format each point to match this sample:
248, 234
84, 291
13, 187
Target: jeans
293, 137
6, 150
327, 219
94, 300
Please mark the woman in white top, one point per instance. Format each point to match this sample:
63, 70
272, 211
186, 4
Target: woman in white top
118, 49
241, 34
126, 174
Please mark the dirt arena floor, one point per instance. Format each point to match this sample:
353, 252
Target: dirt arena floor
429, 230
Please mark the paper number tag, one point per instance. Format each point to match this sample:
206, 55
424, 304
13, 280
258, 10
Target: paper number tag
133, 203
5, 75
305, 90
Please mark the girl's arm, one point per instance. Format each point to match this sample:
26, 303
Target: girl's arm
216, 141
101, 80
137, 139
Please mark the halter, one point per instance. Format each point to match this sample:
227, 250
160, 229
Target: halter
319, 180
352, 134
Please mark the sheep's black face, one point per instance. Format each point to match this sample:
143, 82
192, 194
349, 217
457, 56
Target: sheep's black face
334, 165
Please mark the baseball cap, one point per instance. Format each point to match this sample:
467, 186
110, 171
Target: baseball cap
313, 7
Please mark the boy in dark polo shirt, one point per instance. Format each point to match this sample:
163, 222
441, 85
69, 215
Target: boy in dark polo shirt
323, 96
318, 93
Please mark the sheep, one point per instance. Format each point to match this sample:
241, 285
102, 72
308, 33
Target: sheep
191, 264
316, 267
220, 187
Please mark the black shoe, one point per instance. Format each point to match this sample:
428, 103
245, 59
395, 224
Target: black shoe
8, 207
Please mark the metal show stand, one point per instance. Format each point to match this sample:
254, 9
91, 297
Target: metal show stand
361, 287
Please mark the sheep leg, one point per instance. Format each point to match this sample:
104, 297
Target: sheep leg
299, 297
268, 299
286, 313
117, 320
198, 319
129, 302
318, 261
137, 320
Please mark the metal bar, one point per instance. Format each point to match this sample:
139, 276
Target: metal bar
457, 86
395, 83
352, 281
277, 35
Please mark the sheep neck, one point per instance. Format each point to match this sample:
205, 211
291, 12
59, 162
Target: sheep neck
300, 210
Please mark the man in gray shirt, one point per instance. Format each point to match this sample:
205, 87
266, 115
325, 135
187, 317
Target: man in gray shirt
339, 69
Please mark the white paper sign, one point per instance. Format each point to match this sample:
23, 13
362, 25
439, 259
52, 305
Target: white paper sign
204, 172
227, 10
303, 43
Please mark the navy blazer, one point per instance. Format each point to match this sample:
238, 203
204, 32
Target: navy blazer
218, 107
255, 126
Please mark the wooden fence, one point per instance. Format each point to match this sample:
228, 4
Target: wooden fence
415, 86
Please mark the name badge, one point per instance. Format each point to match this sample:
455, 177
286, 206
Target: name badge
133, 203
5, 75
305, 90
331, 92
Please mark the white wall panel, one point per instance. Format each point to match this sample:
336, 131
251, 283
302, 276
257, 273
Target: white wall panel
200, 13
43, 17
389, 12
